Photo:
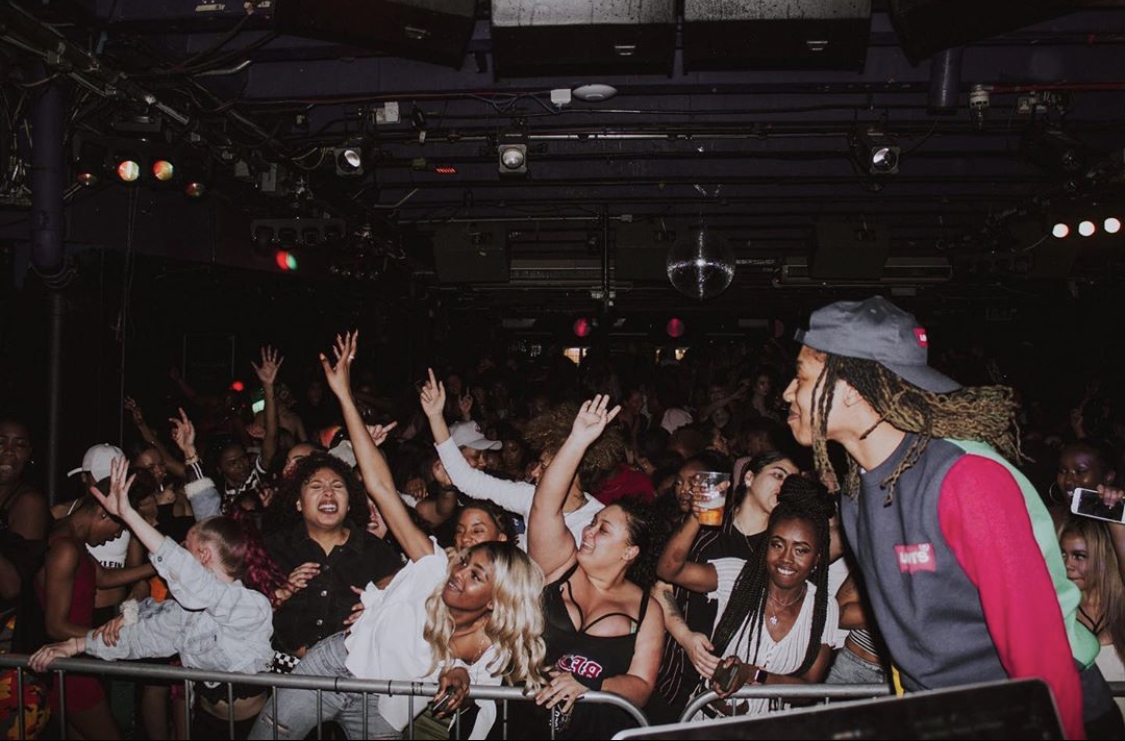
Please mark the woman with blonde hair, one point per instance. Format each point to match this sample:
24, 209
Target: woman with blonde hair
1091, 563
473, 618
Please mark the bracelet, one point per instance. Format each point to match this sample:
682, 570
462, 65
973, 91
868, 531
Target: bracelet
760, 676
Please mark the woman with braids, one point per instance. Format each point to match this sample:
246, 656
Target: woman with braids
603, 631
777, 617
955, 546
470, 619
688, 575
216, 622
1094, 568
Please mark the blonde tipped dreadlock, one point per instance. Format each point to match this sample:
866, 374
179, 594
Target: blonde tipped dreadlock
981, 413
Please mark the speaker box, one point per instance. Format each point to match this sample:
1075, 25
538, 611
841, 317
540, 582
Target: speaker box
642, 249
928, 26
466, 253
562, 37
849, 251
781, 34
435, 31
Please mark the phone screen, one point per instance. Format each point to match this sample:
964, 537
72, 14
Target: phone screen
1088, 503
258, 406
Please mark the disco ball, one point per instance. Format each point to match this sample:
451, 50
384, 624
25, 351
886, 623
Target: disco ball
702, 266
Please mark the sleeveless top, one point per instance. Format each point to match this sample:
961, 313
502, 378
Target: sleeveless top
82, 592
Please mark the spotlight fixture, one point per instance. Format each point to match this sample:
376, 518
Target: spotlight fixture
513, 159
286, 261
163, 170
1112, 225
1087, 228
195, 189
128, 168
876, 152
349, 160
89, 160
1060, 231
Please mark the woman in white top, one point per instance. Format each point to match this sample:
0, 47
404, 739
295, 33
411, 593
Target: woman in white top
473, 619
516, 496
1092, 565
778, 619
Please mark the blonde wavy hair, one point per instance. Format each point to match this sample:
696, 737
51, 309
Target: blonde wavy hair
515, 626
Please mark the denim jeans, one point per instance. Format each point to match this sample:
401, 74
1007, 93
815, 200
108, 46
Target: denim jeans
296, 709
851, 669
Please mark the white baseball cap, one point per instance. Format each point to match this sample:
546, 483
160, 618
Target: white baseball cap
469, 435
98, 460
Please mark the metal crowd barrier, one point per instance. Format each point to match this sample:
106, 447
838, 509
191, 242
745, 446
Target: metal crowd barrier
825, 692
136, 670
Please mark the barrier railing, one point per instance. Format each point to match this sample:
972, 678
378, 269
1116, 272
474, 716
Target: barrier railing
789, 692
365, 687
826, 692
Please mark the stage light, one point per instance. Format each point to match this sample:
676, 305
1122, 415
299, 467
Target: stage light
1087, 228
89, 161
128, 170
1112, 225
675, 328
286, 260
163, 170
238, 386
349, 160
876, 152
1060, 230
513, 159
195, 189
582, 327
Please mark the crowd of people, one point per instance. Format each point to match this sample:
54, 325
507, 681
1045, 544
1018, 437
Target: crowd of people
836, 511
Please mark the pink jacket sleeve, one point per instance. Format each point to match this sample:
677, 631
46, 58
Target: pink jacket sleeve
984, 519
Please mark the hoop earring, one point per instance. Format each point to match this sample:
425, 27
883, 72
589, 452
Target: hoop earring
1055, 495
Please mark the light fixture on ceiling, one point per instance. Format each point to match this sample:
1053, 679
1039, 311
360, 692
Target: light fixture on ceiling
594, 93
876, 152
700, 266
513, 158
349, 160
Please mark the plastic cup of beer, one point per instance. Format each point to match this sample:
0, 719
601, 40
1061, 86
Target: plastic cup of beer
710, 490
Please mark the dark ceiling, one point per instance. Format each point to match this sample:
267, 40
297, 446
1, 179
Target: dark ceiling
734, 115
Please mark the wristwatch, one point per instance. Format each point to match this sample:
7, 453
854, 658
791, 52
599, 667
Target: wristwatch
760, 676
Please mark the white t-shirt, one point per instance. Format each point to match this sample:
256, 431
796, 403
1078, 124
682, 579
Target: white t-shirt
386, 642
514, 496
777, 657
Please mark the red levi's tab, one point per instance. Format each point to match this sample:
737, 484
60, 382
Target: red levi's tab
916, 557
920, 336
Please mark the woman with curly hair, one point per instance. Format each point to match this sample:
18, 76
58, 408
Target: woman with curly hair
603, 630
318, 537
545, 433
474, 618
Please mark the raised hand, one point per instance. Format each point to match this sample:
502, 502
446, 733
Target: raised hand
432, 395
592, 419
117, 503
183, 433
271, 364
135, 411
379, 433
338, 374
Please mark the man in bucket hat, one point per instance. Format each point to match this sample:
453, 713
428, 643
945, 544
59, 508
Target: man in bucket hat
956, 548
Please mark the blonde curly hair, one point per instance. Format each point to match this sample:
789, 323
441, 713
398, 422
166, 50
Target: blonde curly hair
515, 626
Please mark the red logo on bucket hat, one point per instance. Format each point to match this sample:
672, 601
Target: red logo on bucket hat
920, 336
